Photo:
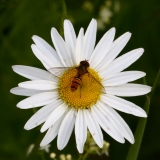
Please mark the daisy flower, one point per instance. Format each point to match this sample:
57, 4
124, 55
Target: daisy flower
81, 85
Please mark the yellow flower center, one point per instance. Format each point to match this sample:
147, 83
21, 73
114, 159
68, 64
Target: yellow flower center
86, 94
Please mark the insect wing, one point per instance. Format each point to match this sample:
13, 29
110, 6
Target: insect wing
58, 71
96, 81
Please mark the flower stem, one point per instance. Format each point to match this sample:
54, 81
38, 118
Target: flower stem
64, 16
33, 154
80, 157
134, 149
42, 156
85, 156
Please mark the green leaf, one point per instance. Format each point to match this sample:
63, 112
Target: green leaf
134, 149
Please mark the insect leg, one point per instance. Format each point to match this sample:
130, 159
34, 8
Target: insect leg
80, 87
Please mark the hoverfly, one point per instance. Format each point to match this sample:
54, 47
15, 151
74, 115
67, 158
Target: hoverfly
81, 70
77, 80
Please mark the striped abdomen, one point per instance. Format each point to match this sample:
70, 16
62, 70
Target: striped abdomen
75, 83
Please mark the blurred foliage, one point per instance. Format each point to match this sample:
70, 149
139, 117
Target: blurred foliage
20, 19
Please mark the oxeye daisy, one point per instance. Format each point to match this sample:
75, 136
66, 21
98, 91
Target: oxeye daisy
80, 88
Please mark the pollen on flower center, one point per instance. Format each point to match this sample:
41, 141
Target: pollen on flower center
86, 94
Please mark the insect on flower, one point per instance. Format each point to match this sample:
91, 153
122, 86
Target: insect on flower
77, 81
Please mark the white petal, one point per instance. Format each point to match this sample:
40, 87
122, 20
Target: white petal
102, 48
123, 105
117, 121
61, 48
80, 130
53, 131
41, 115
70, 37
106, 125
39, 85
54, 116
79, 49
33, 73
90, 39
38, 100
114, 50
43, 57
24, 92
94, 127
66, 129
122, 78
47, 49
122, 62
128, 90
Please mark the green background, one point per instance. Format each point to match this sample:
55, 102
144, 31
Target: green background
20, 19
